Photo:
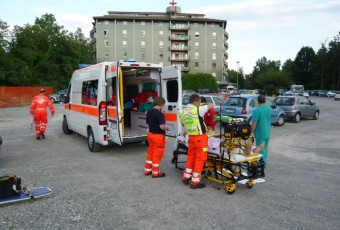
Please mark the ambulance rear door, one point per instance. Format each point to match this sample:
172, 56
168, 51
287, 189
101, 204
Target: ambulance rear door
114, 116
171, 90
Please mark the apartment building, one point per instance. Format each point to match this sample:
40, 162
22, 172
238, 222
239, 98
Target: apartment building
196, 43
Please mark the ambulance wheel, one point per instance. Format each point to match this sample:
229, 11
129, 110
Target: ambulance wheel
66, 130
93, 145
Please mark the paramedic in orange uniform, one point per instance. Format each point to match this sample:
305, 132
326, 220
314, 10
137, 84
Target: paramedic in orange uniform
38, 110
192, 119
156, 138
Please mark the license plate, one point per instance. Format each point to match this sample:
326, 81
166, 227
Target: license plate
230, 110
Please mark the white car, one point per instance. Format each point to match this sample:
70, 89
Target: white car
331, 93
215, 100
337, 96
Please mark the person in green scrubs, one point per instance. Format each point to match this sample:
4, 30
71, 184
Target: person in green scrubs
261, 125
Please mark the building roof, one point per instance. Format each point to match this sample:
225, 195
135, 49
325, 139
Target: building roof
158, 16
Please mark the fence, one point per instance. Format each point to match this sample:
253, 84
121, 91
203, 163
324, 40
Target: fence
18, 96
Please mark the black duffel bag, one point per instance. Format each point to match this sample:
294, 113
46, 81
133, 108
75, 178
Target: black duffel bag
10, 185
243, 131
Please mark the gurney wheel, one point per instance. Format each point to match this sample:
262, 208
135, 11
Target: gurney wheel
230, 189
231, 193
250, 184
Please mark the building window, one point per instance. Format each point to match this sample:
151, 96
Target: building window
161, 63
142, 23
214, 35
142, 43
161, 44
124, 22
161, 54
124, 33
214, 74
106, 33
214, 46
124, 44
106, 43
161, 34
143, 54
197, 55
197, 65
125, 54
106, 53
106, 22
197, 45
143, 33
197, 35
214, 64
213, 56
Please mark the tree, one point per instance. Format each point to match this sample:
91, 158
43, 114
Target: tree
304, 62
199, 81
232, 78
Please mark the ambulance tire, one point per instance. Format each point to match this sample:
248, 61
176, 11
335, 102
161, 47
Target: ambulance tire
93, 145
66, 130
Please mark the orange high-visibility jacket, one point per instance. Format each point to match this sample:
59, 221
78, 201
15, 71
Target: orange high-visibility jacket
40, 103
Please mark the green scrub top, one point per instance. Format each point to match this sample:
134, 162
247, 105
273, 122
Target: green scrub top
262, 117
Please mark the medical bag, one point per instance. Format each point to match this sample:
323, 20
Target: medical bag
10, 185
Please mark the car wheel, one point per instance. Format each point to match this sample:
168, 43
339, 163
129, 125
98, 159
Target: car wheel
281, 120
297, 118
52, 100
66, 130
316, 115
91, 141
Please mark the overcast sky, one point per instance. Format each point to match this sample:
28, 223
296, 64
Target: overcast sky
276, 29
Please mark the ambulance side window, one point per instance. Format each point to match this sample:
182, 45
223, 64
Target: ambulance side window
67, 98
172, 90
89, 92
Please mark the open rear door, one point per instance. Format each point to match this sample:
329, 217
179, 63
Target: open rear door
114, 116
171, 90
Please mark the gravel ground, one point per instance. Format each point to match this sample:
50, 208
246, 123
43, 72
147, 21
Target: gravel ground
108, 190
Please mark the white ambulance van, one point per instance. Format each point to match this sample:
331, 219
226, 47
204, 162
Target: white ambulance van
107, 102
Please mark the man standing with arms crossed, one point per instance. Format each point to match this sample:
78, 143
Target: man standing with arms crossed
38, 109
261, 125
192, 118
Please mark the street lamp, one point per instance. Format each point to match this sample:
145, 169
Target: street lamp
238, 69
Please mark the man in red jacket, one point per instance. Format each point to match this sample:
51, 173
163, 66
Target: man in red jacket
38, 109
209, 116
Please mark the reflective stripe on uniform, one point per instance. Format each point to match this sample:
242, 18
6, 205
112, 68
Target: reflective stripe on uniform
148, 162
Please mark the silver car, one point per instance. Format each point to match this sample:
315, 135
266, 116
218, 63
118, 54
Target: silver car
297, 107
337, 96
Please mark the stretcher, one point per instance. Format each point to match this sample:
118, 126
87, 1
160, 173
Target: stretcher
230, 157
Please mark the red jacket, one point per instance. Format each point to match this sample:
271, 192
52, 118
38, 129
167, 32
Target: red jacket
209, 118
40, 103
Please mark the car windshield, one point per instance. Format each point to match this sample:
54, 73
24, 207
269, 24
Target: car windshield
218, 101
284, 100
235, 101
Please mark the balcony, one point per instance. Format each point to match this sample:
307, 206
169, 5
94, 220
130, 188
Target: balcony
179, 27
179, 48
179, 37
226, 55
226, 35
226, 45
225, 64
179, 58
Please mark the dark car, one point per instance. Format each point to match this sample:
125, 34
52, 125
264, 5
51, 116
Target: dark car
322, 93
297, 107
58, 97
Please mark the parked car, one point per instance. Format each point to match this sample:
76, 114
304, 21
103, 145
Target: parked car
210, 98
203, 91
313, 92
215, 100
322, 93
242, 91
331, 93
253, 92
59, 96
291, 94
242, 106
297, 107
337, 96
188, 92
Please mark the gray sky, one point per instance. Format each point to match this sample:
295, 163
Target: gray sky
276, 29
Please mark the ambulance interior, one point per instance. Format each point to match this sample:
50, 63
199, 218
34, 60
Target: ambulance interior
140, 87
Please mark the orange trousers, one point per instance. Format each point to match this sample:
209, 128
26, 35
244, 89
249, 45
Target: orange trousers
40, 120
197, 155
155, 153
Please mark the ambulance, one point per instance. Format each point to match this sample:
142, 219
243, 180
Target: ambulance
107, 102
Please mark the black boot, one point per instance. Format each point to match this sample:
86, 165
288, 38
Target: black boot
42, 134
38, 138
200, 185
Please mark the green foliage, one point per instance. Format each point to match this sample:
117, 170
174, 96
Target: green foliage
199, 81
41, 54
232, 78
